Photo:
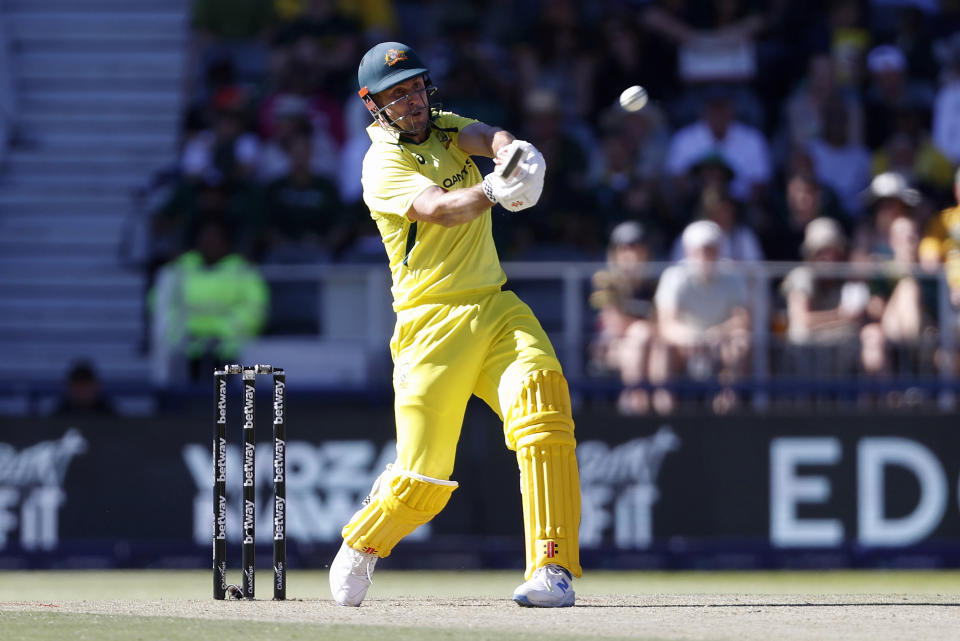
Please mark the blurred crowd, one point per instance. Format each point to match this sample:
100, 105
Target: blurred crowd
823, 131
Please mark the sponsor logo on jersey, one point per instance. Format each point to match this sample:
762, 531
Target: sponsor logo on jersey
458, 177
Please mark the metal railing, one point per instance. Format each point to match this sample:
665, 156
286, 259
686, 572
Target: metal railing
354, 304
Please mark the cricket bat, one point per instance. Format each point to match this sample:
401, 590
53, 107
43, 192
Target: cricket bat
507, 168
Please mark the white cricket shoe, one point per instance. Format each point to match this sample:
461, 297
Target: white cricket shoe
351, 574
550, 587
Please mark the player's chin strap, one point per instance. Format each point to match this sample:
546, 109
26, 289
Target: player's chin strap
379, 114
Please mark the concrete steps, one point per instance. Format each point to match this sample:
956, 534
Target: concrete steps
87, 82
139, 142
152, 63
120, 44
102, 103
48, 361
65, 249
87, 184
60, 229
118, 313
71, 286
95, 6
36, 201
79, 162
68, 27
56, 123
98, 86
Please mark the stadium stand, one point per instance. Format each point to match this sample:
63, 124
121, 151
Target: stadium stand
98, 93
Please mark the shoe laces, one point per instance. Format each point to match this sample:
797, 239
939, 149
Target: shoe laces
364, 561
553, 573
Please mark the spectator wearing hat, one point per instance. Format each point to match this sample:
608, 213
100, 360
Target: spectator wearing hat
824, 310
743, 147
888, 197
703, 322
622, 295
941, 244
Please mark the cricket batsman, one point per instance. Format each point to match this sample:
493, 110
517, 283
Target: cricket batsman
457, 332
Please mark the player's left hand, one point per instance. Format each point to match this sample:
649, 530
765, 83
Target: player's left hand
523, 187
531, 158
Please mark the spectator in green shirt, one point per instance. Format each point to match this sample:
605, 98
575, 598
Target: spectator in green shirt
206, 305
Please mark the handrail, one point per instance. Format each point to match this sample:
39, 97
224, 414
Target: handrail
574, 277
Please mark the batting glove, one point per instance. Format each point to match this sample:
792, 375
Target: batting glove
523, 187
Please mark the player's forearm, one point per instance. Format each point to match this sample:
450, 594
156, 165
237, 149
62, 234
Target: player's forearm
450, 208
480, 139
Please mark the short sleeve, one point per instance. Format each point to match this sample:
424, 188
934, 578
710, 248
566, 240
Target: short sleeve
390, 180
449, 120
668, 290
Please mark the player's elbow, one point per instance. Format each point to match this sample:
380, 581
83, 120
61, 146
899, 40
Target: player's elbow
428, 207
433, 212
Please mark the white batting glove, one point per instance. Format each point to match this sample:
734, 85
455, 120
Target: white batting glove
523, 187
531, 157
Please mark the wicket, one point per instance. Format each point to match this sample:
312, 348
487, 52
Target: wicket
248, 563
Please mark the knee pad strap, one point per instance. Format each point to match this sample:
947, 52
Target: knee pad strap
541, 412
404, 501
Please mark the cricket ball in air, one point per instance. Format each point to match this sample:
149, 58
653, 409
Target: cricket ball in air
633, 98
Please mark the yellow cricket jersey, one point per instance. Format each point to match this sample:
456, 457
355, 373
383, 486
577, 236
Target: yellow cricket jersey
429, 263
942, 241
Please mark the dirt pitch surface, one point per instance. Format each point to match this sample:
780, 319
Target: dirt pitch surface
175, 605
866, 617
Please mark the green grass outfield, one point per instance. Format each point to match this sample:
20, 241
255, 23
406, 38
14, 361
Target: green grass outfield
33, 605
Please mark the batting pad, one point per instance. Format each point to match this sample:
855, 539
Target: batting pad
403, 502
539, 426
